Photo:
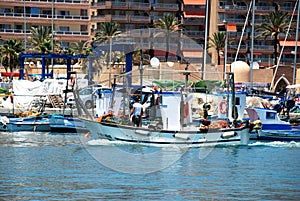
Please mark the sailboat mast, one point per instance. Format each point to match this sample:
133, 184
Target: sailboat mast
25, 22
252, 43
205, 39
296, 46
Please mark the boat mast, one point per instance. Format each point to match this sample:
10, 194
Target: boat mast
296, 46
252, 43
25, 22
205, 38
52, 35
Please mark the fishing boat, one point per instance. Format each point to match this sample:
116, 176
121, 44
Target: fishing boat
267, 125
61, 124
169, 120
30, 123
55, 123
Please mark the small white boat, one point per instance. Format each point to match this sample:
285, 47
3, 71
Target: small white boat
268, 126
32, 123
49, 123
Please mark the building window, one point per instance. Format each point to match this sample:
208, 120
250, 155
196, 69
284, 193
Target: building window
5, 10
5, 26
64, 13
47, 12
34, 10
83, 12
61, 28
18, 26
83, 27
64, 45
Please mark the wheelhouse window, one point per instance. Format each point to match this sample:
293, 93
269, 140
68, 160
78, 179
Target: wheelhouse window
270, 115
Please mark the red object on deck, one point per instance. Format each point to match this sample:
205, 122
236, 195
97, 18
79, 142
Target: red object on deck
9, 74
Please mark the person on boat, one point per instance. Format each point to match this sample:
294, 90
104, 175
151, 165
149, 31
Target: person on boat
136, 113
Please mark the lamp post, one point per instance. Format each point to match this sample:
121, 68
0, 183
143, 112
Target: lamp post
225, 48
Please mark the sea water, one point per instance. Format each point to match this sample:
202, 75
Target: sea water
44, 166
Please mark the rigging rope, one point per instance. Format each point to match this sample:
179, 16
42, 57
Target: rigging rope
243, 31
286, 35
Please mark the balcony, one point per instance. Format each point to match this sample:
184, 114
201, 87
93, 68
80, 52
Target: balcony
42, 18
193, 21
139, 6
233, 9
165, 7
140, 19
264, 48
233, 48
194, 33
79, 33
11, 30
111, 5
264, 8
120, 18
73, 4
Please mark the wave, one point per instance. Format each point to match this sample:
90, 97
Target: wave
291, 144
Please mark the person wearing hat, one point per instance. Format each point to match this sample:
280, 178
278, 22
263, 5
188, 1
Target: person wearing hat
137, 112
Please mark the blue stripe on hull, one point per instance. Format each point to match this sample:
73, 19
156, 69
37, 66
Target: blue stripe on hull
276, 127
278, 138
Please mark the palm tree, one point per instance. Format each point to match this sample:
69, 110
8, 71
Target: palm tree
10, 51
40, 36
107, 30
218, 42
274, 24
169, 23
80, 48
45, 46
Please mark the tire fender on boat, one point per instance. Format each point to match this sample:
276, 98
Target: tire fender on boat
227, 135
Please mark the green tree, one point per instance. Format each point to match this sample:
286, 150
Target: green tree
80, 48
107, 30
217, 41
169, 24
41, 38
10, 51
275, 23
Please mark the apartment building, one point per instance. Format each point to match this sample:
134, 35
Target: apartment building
70, 19
78, 20
235, 12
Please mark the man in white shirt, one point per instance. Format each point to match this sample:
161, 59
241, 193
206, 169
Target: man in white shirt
137, 112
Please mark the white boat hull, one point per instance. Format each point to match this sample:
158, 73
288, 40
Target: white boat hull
191, 136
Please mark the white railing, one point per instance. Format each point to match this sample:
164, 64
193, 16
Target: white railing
263, 47
264, 8
58, 1
194, 33
119, 4
165, 5
139, 4
139, 18
13, 31
21, 31
82, 33
43, 16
